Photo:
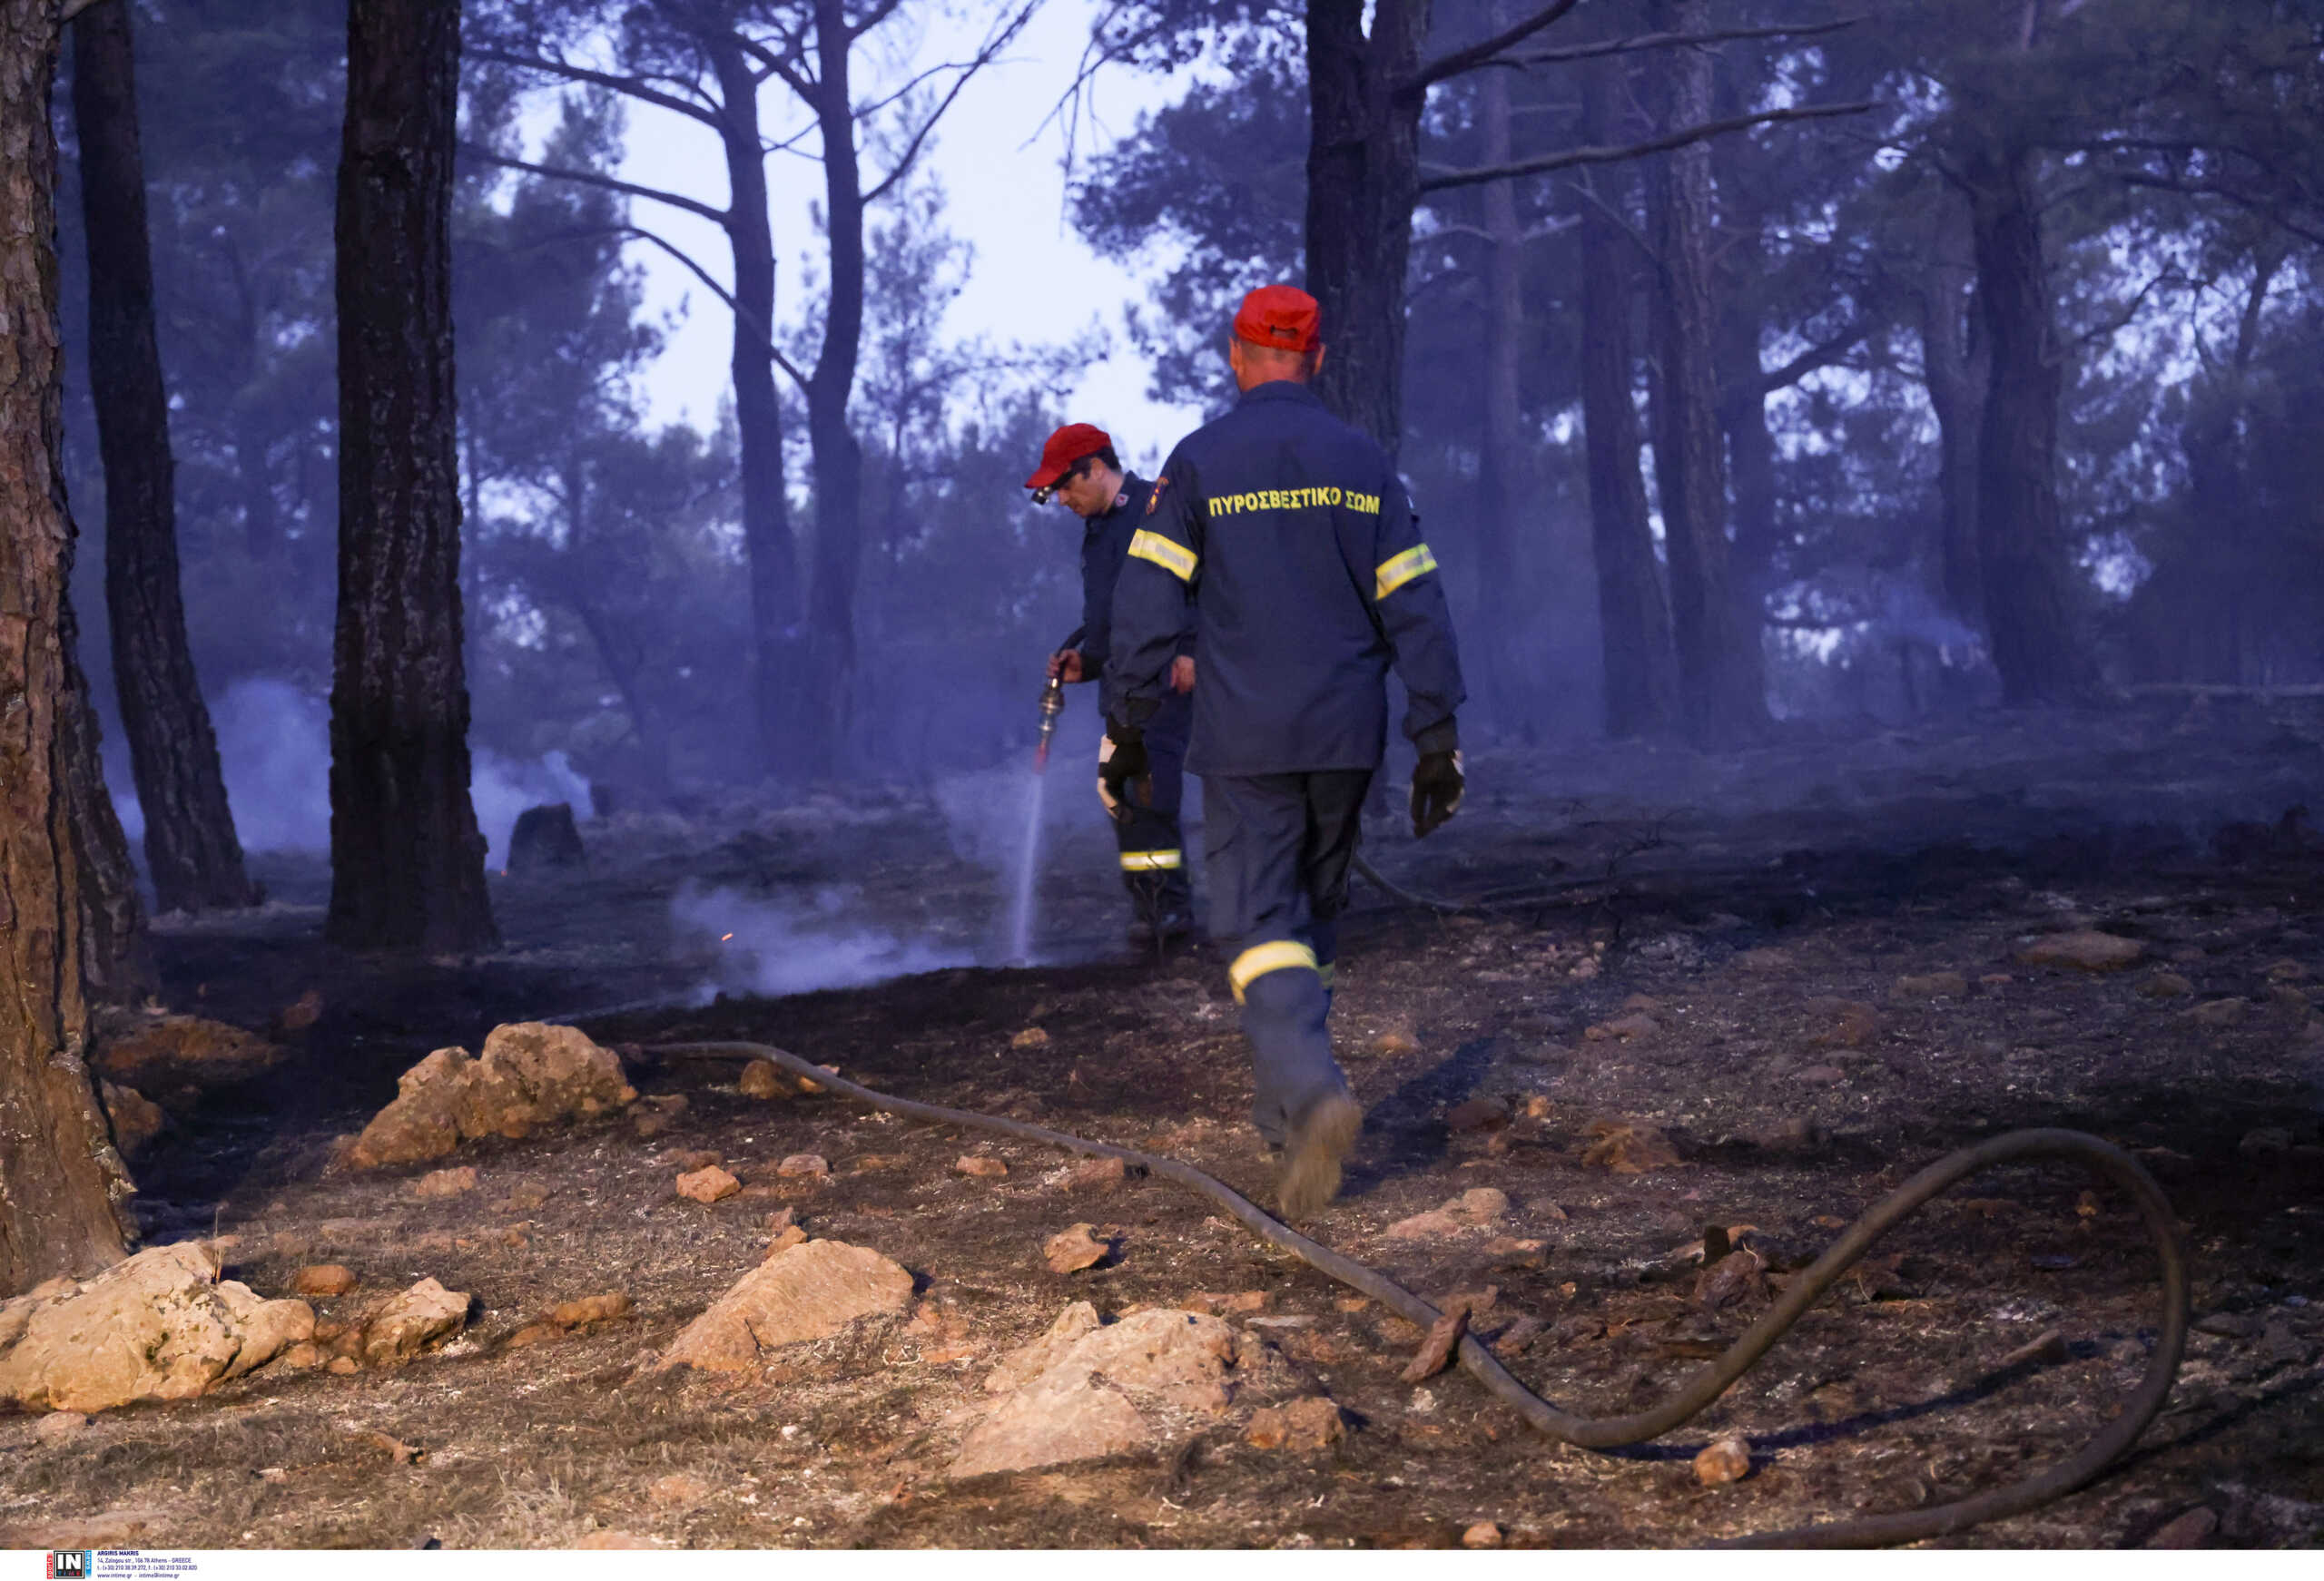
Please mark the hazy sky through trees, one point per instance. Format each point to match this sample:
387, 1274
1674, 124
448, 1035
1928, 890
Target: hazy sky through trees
1034, 279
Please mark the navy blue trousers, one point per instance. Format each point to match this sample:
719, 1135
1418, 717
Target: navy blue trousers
1153, 851
1277, 850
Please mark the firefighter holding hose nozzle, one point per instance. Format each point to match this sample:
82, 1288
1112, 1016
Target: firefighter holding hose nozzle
1079, 469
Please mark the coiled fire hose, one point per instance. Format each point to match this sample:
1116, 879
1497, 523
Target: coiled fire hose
2102, 1157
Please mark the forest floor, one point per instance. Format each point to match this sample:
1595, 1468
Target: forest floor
1729, 954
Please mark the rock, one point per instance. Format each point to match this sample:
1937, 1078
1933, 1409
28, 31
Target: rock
591, 1308
1304, 1425
1082, 1407
611, 1537
524, 1199
1934, 985
809, 1292
708, 1184
1479, 1206
1074, 1248
342, 1365
530, 1075
1510, 1251
303, 1356
2166, 986
2287, 971
410, 1320
1097, 1174
136, 1119
2084, 950
1393, 1041
296, 1017
160, 1325
677, 1490
1477, 1114
544, 840
762, 1078
983, 1165
1027, 1363
444, 1182
1820, 1076
1853, 1025
60, 1425
2192, 1529
1624, 1027
784, 1239
1436, 1348
2286, 999
174, 1059
533, 1334
1483, 1535
1765, 960
1738, 1276
804, 1166
1727, 1460
1520, 1336
2219, 1013
323, 1280
1626, 1148
1031, 1037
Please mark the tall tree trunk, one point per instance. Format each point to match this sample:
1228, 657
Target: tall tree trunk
1954, 366
407, 859
839, 458
1503, 492
191, 852
116, 951
63, 1189
1751, 443
2021, 539
777, 662
1720, 670
1363, 180
1642, 682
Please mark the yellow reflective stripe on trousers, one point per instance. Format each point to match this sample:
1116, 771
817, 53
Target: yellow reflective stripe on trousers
1394, 573
1176, 558
1151, 861
1260, 959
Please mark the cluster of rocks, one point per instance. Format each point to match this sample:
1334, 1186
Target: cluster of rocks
530, 1075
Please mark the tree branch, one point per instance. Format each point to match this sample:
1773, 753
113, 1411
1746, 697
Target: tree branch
745, 319
1477, 55
592, 179
1645, 41
995, 41
634, 87
1445, 179
793, 77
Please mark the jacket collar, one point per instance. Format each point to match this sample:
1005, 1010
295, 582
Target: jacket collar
1280, 389
1130, 504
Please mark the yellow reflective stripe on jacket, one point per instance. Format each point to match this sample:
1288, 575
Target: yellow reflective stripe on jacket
1151, 861
1260, 959
1176, 558
1393, 573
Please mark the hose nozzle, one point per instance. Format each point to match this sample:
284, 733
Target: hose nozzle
1052, 705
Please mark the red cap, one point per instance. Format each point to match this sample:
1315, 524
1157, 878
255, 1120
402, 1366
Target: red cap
1066, 447
1283, 317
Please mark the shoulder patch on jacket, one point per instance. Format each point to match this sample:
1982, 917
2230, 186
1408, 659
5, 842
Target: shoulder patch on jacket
1155, 497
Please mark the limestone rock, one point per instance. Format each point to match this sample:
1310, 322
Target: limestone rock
1075, 1248
1478, 1208
1850, 1023
58, 1426
809, 1292
136, 1119
707, 1185
1304, 1425
762, 1078
1727, 1460
1083, 1406
1932, 986
2084, 950
1637, 1023
2220, 1012
158, 1326
983, 1165
808, 1165
591, 1308
1027, 1363
2166, 986
323, 1280
1628, 1149
174, 1059
400, 1329
1097, 1174
445, 1183
1485, 1534
530, 1075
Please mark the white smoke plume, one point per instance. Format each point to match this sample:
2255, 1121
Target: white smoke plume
776, 947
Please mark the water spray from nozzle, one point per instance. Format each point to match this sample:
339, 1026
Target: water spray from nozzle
1052, 705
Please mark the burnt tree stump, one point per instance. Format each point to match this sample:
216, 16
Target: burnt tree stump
546, 838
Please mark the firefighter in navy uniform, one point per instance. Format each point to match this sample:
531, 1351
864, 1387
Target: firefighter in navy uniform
1080, 468
1289, 536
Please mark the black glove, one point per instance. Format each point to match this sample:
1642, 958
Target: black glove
1122, 759
1436, 791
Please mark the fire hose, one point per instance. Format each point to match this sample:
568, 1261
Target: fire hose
1802, 1291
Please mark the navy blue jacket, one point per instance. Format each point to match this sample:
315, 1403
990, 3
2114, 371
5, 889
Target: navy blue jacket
1105, 545
1290, 538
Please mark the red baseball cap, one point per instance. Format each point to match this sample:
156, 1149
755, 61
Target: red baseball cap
1066, 447
1283, 317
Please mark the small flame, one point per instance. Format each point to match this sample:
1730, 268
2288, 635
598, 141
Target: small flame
724, 937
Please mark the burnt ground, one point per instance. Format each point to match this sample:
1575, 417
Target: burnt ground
1759, 911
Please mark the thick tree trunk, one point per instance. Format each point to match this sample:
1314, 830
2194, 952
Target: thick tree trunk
1642, 682
191, 852
1720, 670
777, 659
1504, 494
63, 1189
2021, 539
1750, 445
406, 859
1954, 366
1363, 180
838, 458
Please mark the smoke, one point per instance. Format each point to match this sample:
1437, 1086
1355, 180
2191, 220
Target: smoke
274, 747
776, 947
